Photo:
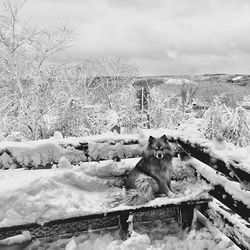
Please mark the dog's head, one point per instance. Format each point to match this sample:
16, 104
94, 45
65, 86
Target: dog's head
159, 147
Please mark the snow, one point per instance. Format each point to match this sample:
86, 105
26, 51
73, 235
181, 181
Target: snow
71, 245
40, 195
237, 78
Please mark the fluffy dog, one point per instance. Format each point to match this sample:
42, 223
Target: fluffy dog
152, 174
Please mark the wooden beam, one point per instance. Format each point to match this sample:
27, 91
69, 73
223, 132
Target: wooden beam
112, 219
225, 189
214, 231
230, 223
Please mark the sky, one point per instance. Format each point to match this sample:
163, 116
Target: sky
160, 36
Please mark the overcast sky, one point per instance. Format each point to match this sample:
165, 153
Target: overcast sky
160, 36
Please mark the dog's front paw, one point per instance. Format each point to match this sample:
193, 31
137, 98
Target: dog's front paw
115, 199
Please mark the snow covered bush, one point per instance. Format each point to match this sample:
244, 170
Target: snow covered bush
222, 122
79, 120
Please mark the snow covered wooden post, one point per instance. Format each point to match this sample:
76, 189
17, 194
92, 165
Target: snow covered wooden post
126, 225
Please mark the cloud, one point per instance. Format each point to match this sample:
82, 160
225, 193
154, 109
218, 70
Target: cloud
162, 36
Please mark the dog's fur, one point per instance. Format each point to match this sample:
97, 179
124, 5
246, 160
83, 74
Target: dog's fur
152, 174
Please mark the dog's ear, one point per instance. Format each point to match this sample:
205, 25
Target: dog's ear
151, 139
164, 137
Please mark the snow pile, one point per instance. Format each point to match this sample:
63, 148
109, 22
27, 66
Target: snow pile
40, 195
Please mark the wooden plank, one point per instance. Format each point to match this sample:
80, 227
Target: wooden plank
71, 226
230, 223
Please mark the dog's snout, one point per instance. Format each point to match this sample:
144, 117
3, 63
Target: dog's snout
159, 155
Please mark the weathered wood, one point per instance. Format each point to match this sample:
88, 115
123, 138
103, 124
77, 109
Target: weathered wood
101, 221
225, 189
230, 223
124, 225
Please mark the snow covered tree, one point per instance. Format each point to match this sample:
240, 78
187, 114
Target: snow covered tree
24, 85
112, 74
75, 110
163, 111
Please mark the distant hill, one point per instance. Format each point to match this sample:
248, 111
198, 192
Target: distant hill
237, 79
236, 86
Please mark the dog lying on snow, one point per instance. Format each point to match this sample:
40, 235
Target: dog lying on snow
151, 176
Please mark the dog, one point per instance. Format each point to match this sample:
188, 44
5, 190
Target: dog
151, 176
